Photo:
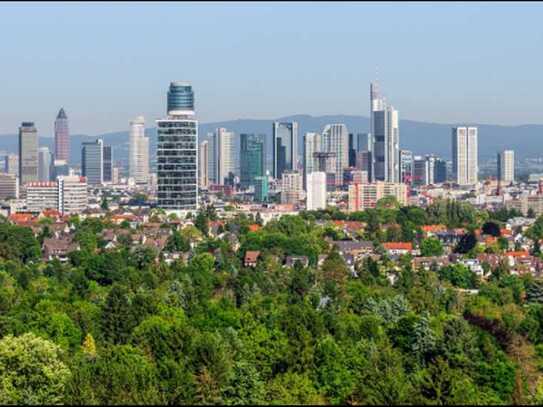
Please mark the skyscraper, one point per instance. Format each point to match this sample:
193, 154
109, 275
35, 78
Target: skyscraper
506, 166
212, 158
312, 145
363, 162
138, 152
11, 164
406, 166
28, 153
335, 139
180, 99
62, 137
203, 164
177, 151
464, 155
92, 161
384, 127
352, 150
440, 171
285, 147
108, 164
316, 191
252, 164
226, 154
363, 142
44, 164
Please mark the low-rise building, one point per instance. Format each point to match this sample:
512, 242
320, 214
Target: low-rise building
251, 258
398, 248
9, 186
58, 248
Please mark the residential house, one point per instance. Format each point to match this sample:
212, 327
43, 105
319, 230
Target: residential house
58, 248
251, 258
398, 248
290, 261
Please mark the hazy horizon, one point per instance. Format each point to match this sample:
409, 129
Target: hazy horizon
107, 63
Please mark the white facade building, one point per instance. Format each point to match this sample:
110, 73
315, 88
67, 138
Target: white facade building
138, 152
41, 196
291, 187
72, 194
68, 195
203, 164
506, 166
465, 155
335, 139
226, 154
384, 127
316, 191
9, 186
44, 164
312, 145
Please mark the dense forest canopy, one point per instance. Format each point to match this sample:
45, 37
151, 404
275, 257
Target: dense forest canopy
123, 326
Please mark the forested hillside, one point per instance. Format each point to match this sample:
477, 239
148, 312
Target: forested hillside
123, 326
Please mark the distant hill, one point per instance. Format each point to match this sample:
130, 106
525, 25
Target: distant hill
420, 137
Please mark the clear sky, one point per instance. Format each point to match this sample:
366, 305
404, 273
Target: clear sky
108, 63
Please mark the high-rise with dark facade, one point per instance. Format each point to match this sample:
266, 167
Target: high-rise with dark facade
352, 150
92, 161
285, 147
252, 158
62, 137
108, 164
28, 153
177, 151
440, 171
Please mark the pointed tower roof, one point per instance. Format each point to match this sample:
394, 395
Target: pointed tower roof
62, 114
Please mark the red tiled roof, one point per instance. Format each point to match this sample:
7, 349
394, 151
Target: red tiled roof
251, 256
433, 228
520, 253
51, 213
398, 246
122, 217
350, 224
21, 217
254, 227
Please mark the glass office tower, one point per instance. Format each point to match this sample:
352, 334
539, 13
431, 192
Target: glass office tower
252, 159
285, 147
108, 164
92, 161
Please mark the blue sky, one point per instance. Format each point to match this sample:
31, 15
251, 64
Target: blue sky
107, 63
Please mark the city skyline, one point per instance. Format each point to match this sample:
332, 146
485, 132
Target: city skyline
477, 93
